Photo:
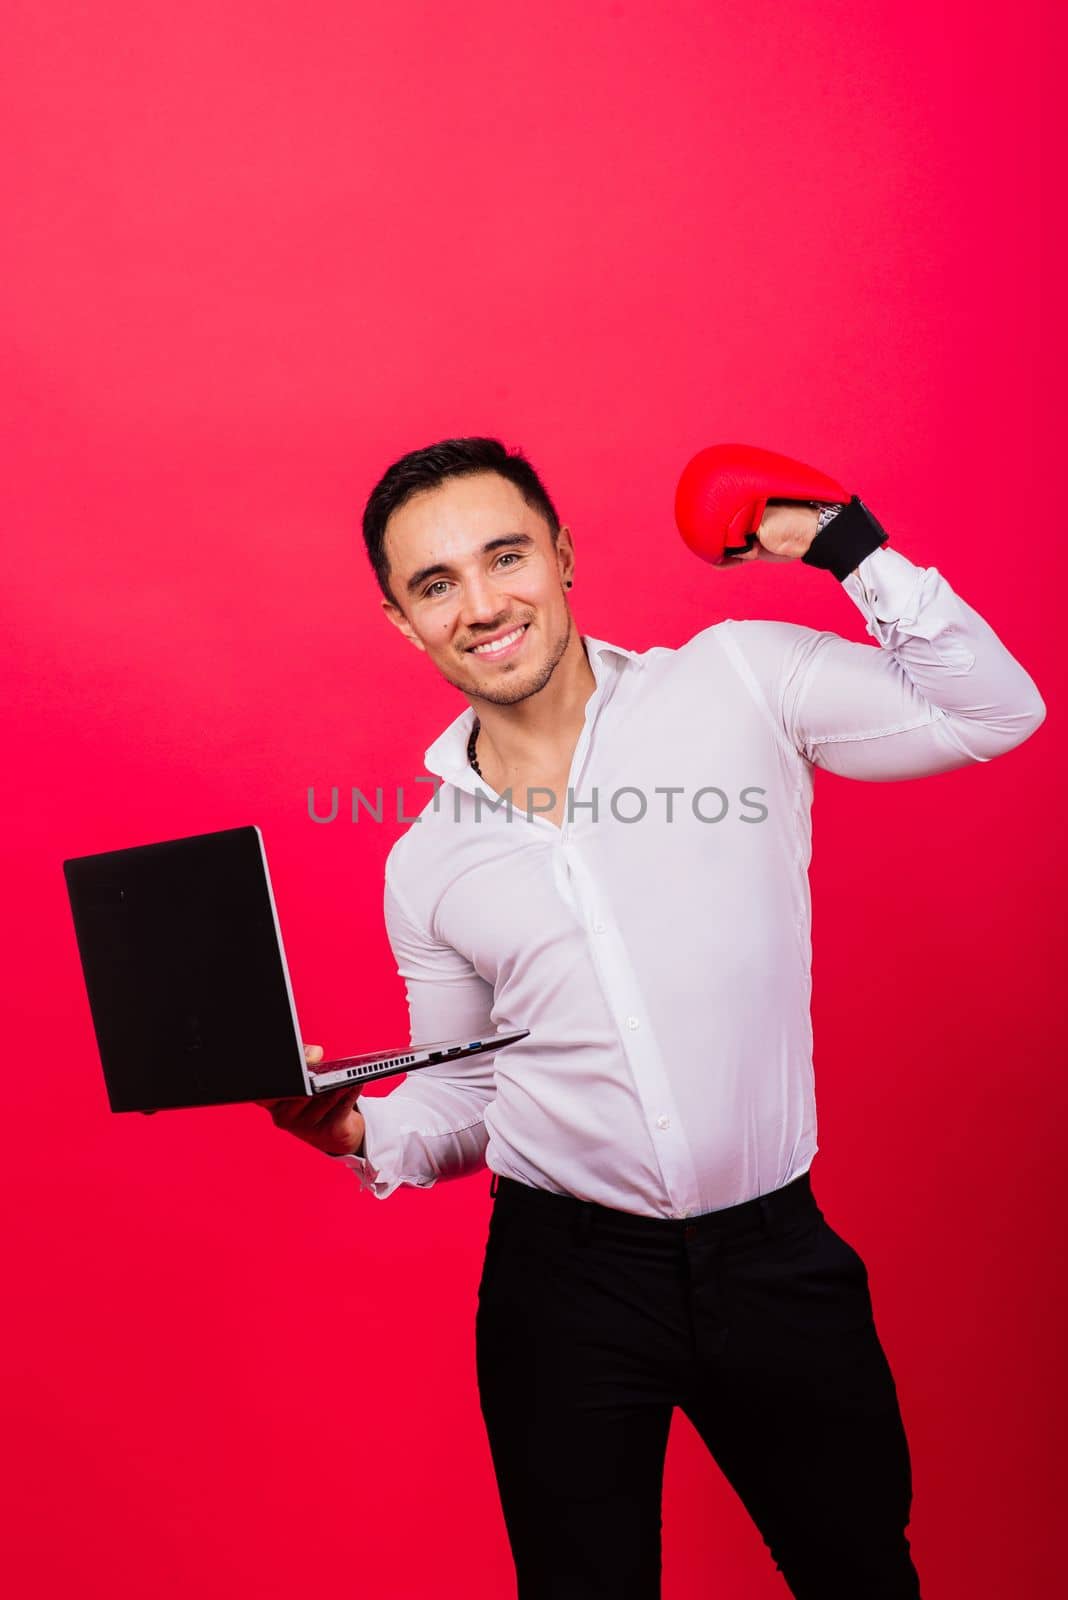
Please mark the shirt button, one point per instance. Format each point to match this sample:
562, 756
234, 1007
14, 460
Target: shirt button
632, 1023
599, 927
663, 1122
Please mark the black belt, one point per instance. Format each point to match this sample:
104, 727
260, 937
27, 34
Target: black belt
543, 1205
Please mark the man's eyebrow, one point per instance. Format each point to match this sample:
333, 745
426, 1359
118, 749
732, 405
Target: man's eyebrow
417, 579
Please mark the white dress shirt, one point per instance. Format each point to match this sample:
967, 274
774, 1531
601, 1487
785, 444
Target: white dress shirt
663, 967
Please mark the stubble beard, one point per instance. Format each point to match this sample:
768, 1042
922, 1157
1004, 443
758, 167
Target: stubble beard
510, 696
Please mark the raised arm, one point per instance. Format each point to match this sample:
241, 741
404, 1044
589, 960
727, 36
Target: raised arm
940, 692
430, 1127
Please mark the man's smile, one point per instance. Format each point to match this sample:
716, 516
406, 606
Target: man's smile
501, 644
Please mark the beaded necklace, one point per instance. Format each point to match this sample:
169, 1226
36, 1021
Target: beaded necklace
471, 756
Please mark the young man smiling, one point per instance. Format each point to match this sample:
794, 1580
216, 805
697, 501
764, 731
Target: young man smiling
474, 567
655, 1240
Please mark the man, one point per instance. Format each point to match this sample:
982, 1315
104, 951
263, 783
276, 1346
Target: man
641, 906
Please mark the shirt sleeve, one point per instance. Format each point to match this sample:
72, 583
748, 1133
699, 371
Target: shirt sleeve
941, 690
431, 1126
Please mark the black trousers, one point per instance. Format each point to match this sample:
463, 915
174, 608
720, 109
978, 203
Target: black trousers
756, 1320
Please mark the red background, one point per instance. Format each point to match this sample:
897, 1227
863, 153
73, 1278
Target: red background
256, 252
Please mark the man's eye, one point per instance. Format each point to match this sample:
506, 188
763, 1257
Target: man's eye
440, 583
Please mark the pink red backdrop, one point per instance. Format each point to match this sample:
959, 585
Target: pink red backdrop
257, 251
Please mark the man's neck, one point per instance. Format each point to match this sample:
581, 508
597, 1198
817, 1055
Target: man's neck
539, 734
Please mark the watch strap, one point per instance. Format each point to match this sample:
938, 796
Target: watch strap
844, 538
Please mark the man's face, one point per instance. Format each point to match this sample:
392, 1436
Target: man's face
470, 564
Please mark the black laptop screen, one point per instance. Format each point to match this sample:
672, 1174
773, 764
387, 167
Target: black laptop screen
185, 983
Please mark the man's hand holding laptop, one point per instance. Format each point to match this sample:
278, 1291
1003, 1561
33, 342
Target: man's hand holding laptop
328, 1121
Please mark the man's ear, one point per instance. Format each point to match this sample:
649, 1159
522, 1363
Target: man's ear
565, 553
400, 621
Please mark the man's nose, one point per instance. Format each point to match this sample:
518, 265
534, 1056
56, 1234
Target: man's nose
480, 601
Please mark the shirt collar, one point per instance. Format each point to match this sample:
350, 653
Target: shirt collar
447, 756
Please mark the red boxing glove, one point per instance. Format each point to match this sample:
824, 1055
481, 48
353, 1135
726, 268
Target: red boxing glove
724, 490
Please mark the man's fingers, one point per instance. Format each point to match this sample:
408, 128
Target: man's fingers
307, 1112
334, 1102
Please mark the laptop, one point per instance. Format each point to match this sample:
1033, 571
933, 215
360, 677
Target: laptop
188, 984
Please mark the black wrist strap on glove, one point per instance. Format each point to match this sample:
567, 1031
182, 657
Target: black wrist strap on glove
850, 536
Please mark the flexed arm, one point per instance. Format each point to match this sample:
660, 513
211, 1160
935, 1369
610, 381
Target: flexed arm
941, 691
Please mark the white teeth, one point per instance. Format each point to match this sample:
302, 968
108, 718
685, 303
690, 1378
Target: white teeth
498, 644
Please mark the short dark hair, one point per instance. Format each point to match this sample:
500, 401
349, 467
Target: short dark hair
426, 468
